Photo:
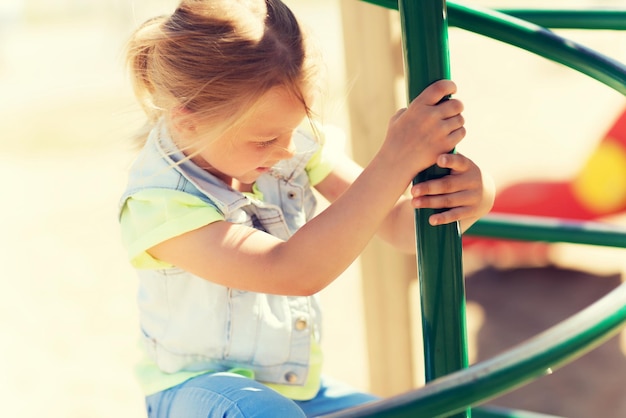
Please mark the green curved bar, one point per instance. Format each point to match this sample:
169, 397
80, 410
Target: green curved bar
389, 4
498, 412
596, 19
600, 19
535, 39
521, 364
535, 228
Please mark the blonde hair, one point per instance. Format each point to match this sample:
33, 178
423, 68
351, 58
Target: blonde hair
216, 58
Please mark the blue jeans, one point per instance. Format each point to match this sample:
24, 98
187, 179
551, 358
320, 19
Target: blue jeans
228, 395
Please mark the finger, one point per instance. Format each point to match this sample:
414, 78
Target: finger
452, 133
450, 108
434, 93
453, 123
455, 137
449, 216
450, 183
442, 185
455, 162
445, 201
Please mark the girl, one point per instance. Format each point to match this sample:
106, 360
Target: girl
218, 213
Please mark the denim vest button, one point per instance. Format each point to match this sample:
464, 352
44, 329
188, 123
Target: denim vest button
291, 195
301, 324
291, 377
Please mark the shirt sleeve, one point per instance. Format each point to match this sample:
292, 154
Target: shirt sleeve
152, 216
332, 142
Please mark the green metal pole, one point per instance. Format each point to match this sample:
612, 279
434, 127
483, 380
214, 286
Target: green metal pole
440, 271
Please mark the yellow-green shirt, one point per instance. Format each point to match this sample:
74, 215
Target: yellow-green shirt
154, 215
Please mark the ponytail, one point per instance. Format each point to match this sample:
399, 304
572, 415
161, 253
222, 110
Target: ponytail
215, 58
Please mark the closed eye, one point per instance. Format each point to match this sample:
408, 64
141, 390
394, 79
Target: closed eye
265, 144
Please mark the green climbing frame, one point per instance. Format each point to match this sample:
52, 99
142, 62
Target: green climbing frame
453, 389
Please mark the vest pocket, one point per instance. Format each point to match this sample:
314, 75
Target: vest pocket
259, 329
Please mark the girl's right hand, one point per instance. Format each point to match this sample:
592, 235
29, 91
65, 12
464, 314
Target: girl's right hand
429, 127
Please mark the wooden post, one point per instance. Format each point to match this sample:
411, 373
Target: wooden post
372, 72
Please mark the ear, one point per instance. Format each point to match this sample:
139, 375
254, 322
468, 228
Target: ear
183, 120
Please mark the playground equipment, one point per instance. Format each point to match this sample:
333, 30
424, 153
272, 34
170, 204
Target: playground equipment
453, 388
597, 190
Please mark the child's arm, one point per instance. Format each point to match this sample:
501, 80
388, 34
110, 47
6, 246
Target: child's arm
467, 191
244, 258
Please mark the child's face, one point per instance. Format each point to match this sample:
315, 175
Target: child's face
250, 149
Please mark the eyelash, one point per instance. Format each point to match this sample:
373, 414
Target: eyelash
266, 144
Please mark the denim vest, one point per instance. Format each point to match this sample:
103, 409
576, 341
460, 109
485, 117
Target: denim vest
191, 324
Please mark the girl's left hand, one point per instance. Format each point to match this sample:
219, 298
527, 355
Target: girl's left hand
466, 193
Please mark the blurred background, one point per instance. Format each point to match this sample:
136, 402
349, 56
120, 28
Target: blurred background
68, 322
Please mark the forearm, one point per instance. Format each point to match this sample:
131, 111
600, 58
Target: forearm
398, 227
325, 246
244, 258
